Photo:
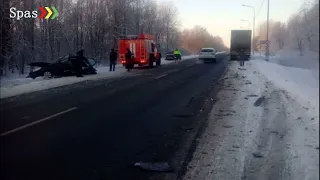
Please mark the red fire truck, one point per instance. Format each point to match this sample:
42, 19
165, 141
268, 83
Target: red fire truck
143, 48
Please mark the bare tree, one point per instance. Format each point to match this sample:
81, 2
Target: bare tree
198, 37
92, 25
300, 32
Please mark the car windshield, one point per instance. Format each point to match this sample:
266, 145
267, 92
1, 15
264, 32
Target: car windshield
91, 62
64, 59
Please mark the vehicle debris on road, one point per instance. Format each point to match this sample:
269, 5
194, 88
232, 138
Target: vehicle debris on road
156, 166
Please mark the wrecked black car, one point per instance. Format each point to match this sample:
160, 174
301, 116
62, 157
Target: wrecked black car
63, 67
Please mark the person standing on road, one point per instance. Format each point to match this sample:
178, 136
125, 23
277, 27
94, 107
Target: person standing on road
159, 57
113, 59
128, 58
241, 57
79, 62
177, 55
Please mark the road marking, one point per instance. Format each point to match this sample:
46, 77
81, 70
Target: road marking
172, 71
37, 122
163, 75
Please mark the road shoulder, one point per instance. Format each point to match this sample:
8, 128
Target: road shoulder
194, 126
253, 132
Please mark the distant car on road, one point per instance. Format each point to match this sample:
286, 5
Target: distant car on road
62, 67
169, 56
208, 55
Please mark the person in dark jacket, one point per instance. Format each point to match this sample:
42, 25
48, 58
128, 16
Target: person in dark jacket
128, 60
241, 57
113, 59
79, 62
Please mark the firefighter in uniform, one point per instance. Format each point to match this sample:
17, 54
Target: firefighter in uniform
128, 58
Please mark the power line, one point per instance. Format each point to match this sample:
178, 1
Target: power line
260, 8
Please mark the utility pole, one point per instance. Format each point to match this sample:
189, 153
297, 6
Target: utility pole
167, 38
253, 31
267, 43
254, 25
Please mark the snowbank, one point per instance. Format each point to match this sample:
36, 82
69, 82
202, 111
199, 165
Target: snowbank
277, 139
289, 58
301, 81
163, 61
18, 84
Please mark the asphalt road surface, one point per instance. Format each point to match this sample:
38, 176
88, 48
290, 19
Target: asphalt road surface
97, 129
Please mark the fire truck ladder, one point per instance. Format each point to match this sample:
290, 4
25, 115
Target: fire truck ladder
142, 51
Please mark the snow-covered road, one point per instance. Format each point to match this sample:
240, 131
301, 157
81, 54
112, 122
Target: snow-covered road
260, 128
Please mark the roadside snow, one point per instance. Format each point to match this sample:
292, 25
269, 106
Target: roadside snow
13, 87
295, 74
163, 61
18, 84
278, 139
289, 58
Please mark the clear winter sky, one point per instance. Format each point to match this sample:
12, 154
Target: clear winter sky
220, 16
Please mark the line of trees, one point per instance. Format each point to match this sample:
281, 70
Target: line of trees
93, 25
300, 32
198, 37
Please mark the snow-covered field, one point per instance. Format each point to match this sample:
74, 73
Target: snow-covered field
289, 58
277, 139
16, 85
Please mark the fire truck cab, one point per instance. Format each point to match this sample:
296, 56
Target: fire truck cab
143, 48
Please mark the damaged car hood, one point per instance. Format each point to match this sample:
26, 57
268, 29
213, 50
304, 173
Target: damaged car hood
39, 64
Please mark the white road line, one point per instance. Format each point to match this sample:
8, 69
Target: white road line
172, 71
37, 122
163, 75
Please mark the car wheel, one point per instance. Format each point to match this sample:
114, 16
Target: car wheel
47, 75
